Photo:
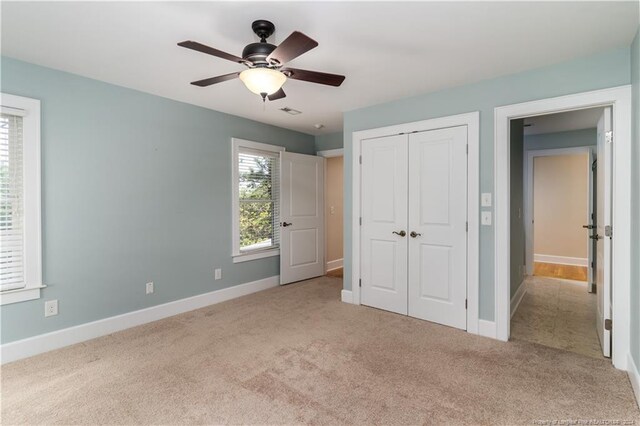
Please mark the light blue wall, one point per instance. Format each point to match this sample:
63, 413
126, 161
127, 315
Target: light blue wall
329, 141
608, 69
135, 188
635, 201
518, 238
568, 139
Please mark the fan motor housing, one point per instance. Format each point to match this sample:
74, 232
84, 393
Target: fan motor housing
257, 52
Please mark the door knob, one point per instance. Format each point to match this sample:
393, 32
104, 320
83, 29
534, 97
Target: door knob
401, 233
415, 234
588, 226
285, 224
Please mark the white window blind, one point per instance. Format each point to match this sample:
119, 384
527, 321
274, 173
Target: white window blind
258, 189
12, 253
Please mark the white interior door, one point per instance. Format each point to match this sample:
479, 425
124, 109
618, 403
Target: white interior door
603, 222
437, 226
301, 217
383, 243
591, 223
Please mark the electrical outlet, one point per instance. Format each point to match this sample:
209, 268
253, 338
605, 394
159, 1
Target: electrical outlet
149, 288
50, 308
218, 274
332, 210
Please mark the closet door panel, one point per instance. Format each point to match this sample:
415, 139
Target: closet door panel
437, 257
384, 217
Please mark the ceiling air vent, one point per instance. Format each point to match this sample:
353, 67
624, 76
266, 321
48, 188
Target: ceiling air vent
291, 111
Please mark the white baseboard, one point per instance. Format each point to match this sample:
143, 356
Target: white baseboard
487, 328
334, 264
347, 296
19, 349
561, 260
634, 377
517, 298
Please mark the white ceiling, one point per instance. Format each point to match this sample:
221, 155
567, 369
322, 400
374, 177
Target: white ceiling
387, 50
563, 121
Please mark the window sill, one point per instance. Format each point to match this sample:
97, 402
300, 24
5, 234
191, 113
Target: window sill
245, 257
20, 295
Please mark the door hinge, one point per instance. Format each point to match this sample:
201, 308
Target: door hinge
360, 220
360, 282
592, 265
609, 136
467, 227
608, 324
360, 159
467, 149
608, 231
466, 304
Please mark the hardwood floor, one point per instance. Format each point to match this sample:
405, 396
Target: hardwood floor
338, 273
554, 270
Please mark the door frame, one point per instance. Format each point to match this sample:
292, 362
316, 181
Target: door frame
329, 153
528, 191
619, 98
472, 121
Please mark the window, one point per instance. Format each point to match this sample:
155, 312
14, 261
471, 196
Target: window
20, 248
256, 201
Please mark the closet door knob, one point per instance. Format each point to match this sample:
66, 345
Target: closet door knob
285, 224
415, 234
401, 233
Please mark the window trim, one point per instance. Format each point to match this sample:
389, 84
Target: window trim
238, 256
30, 111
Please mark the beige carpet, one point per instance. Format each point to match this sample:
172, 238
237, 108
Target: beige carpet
296, 354
558, 313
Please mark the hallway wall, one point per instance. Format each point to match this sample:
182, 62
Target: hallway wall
560, 205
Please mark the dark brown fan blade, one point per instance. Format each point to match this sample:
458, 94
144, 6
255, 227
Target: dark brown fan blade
277, 95
314, 76
213, 80
293, 46
194, 45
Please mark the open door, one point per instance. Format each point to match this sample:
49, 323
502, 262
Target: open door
603, 230
301, 217
591, 223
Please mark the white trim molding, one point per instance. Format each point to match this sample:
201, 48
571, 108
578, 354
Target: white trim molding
560, 260
24, 348
29, 110
517, 298
347, 296
328, 153
620, 99
487, 328
472, 121
334, 264
530, 156
634, 377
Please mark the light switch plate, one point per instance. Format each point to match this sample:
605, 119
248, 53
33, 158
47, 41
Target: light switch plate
485, 199
149, 288
486, 218
218, 274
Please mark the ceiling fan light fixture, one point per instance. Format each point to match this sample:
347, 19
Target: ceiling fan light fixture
263, 80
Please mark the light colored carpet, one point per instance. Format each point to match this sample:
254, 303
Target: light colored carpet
296, 354
558, 313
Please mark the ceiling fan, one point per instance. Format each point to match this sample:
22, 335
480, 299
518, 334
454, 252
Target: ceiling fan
265, 74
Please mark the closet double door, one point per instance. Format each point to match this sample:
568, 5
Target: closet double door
414, 225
